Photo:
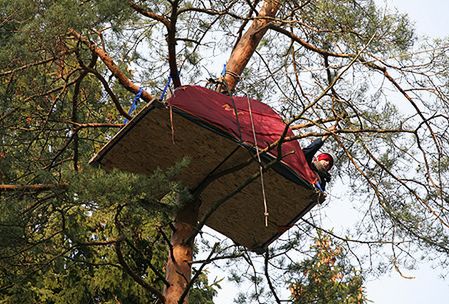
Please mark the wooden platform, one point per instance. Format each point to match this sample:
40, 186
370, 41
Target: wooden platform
145, 144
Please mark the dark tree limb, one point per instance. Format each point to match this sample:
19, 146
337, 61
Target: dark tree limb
118, 250
171, 42
267, 276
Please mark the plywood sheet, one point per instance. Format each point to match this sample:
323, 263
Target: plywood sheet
146, 144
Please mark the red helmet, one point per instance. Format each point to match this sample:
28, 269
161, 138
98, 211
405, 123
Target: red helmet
326, 156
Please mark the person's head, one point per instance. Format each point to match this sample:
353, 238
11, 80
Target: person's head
324, 161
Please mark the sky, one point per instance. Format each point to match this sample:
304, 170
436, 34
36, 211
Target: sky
430, 18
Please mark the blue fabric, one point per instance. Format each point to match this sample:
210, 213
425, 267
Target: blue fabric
223, 72
312, 149
134, 104
165, 88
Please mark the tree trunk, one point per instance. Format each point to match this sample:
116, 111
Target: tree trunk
178, 268
246, 46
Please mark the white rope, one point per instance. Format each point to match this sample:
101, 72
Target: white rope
172, 126
260, 164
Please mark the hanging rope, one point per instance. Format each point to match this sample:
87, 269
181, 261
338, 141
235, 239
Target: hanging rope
236, 112
134, 104
172, 126
164, 91
260, 164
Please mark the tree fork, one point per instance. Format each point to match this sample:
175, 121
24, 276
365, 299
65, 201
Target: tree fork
247, 45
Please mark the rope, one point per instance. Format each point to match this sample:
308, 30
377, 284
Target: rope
172, 126
134, 104
233, 74
236, 112
165, 88
260, 164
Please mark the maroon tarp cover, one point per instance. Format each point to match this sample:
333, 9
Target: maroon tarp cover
218, 110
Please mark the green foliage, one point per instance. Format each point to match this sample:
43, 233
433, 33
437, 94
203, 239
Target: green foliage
203, 292
61, 245
67, 239
353, 23
326, 277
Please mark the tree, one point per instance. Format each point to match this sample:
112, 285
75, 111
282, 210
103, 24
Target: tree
68, 70
326, 277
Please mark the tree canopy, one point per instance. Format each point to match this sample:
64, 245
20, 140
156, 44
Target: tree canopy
69, 70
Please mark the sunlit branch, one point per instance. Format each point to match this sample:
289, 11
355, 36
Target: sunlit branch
149, 13
116, 71
32, 188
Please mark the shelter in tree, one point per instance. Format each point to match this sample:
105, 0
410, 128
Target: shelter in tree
219, 134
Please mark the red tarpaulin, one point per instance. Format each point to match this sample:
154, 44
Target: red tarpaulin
218, 110
206, 134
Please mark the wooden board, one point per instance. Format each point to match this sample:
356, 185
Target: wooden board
146, 144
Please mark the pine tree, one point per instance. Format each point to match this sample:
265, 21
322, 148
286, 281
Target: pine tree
326, 277
69, 69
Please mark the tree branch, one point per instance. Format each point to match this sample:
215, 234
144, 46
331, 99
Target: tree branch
246, 46
171, 41
267, 275
32, 188
149, 14
116, 71
118, 250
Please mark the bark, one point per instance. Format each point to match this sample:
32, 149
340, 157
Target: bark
178, 269
246, 46
32, 188
171, 41
109, 62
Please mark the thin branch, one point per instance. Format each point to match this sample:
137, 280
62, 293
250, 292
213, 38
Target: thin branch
267, 275
307, 45
118, 250
24, 67
134, 275
95, 125
106, 86
152, 267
